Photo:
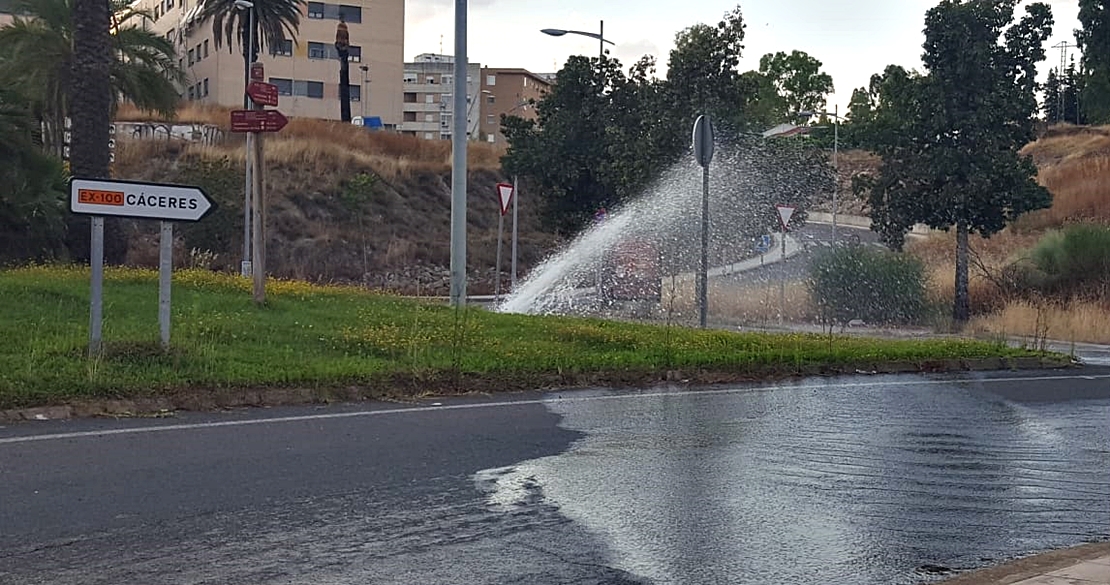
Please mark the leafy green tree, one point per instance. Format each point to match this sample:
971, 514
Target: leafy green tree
275, 21
32, 188
798, 79
949, 139
37, 53
1094, 40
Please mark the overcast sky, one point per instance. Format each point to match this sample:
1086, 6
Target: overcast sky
853, 38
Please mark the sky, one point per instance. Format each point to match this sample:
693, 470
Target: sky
852, 38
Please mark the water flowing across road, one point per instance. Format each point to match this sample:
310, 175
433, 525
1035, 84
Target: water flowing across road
873, 484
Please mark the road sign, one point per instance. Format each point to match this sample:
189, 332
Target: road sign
703, 141
785, 213
140, 200
262, 93
505, 194
257, 121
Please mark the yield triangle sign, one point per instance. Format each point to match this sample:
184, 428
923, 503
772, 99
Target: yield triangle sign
505, 194
785, 213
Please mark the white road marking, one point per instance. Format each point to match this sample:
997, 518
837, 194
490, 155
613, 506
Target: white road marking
508, 403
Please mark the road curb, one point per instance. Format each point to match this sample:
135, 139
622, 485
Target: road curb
219, 399
1031, 567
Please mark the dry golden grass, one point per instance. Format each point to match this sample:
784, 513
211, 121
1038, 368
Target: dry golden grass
1074, 165
747, 304
334, 146
1084, 321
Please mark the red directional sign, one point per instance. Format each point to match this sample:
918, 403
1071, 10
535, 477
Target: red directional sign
257, 121
262, 93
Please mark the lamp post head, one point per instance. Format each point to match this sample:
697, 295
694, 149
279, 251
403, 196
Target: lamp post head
555, 32
244, 4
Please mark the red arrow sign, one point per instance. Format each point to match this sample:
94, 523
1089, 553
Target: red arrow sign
257, 121
263, 94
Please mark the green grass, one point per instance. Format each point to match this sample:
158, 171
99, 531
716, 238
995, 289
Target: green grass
309, 336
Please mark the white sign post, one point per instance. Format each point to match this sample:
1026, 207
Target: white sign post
505, 197
167, 203
785, 213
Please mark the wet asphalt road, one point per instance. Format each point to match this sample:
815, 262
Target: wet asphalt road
856, 480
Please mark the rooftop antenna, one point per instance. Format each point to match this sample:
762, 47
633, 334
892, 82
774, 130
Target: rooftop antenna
440, 44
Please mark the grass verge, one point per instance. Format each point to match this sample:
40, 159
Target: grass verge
364, 344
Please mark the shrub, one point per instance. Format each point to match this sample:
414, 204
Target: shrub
1071, 262
868, 283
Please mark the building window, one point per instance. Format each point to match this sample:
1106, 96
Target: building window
198, 52
354, 54
169, 35
489, 120
409, 117
180, 62
284, 48
429, 117
169, 4
205, 48
429, 98
205, 87
285, 86
492, 138
489, 99
427, 136
350, 13
317, 50
409, 97
312, 89
409, 78
491, 80
316, 10
447, 79
192, 93
192, 57
356, 92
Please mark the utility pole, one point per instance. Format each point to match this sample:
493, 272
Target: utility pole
1063, 46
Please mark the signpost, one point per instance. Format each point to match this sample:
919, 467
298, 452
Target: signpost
160, 201
254, 122
785, 213
512, 277
262, 93
703, 152
505, 197
257, 121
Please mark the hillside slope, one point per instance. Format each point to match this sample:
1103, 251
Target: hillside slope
344, 204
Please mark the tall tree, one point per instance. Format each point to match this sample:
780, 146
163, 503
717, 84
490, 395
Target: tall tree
703, 75
36, 54
949, 139
1094, 41
798, 79
275, 21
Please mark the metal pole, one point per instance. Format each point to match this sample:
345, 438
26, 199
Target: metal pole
458, 162
512, 277
836, 168
259, 245
245, 265
500, 236
96, 263
703, 267
782, 281
601, 39
165, 273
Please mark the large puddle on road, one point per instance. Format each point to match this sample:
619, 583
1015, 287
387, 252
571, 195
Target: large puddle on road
858, 485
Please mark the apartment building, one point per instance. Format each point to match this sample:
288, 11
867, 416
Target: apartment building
510, 92
305, 69
427, 101
6, 15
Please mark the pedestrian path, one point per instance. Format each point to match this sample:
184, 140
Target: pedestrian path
1092, 572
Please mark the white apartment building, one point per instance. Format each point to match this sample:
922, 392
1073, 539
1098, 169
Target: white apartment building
427, 99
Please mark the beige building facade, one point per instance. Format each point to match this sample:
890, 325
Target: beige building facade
510, 92
305, 69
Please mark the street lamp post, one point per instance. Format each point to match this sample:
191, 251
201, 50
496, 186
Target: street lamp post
363, 94
245, 268
835, 114
600, 36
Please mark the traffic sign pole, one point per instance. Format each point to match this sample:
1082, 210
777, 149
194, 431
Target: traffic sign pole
96, 288
703, 153
512, 277
165, 277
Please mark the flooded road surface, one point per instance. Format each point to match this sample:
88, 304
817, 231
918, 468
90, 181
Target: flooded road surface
855, 481
865, 484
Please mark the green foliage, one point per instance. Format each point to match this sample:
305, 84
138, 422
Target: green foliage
1062, 91
36, 54
222, 228
275, 21
1094, 41
949, 138
338, 337
1073, 262
868, 283
33, 189
603, 134
358, 191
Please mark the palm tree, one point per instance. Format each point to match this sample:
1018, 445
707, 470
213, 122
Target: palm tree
273, 19
37, 55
